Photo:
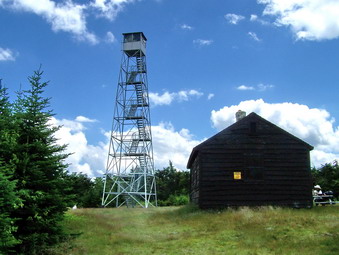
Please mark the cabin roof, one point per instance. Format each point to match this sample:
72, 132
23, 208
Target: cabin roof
228, 131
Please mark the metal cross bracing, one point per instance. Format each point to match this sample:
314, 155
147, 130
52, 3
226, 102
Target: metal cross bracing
129, 178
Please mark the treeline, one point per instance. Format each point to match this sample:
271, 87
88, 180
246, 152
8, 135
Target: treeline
172, 188
327, 176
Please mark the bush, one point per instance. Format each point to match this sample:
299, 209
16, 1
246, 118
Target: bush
174, 200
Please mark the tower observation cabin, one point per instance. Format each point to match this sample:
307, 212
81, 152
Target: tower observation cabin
134, 44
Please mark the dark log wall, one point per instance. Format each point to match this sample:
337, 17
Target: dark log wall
274, 167
195, 181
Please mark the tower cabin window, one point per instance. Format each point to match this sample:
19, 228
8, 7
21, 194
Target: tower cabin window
128, 38
134, 37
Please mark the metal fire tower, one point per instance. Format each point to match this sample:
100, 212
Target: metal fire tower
129, 178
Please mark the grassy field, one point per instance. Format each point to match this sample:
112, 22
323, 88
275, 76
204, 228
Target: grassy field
186, 230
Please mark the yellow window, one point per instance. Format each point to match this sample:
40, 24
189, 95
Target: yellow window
237, 175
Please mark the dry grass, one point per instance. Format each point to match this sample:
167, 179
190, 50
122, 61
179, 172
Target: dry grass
186, 230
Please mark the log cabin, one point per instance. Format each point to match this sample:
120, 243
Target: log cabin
251, 163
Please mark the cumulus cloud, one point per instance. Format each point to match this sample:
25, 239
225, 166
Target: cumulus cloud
263, 87
255, 18
185, 95
6, 55
254, 36
86, 158
110, 38
70, 17
202, 42
65, 16
244, 87
259, 87
313, 125
186, 27
233, 18
109, 8
84, 119
168, 144
173, 145
167, 98
210, 96
308, 19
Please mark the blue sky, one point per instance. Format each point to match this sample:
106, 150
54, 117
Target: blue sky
205, 61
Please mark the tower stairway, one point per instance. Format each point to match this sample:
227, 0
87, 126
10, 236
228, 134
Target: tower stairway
142, 162
132, 110
139, 94
140, 65
131, 77
141, 129
134, 146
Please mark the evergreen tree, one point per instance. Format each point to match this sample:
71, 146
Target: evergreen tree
8, 195
39, 170
8, 203
7, 128
83, 191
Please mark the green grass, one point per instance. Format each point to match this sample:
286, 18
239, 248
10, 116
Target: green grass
186, 230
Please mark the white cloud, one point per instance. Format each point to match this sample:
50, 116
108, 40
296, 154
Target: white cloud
84, 119
109, 8
6, 55
244, 87
203, 42
259, 87
254, 36
172, 145
313, 125
87, 158
110, 38
185, 95
308, 19
210, 96
186, 27
255, 18
263, 87
65, 16
68, 16
168, 144
167, 98
233, 18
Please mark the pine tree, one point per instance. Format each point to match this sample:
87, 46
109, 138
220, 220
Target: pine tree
39, 170
9, 200
7, 129
8, 203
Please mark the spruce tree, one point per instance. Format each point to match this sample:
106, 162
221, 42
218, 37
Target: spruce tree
39, 170
8, 203
9, 200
